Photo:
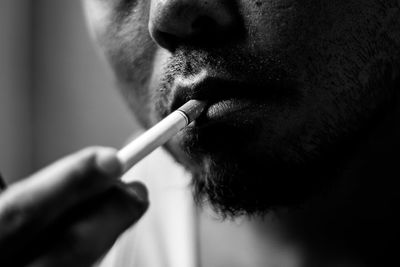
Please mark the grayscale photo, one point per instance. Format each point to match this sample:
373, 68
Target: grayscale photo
199, 133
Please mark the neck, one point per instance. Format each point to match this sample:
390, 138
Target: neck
356, 219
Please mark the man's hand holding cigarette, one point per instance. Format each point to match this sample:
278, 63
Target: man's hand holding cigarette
70, 213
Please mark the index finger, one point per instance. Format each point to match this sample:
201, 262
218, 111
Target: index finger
29, 206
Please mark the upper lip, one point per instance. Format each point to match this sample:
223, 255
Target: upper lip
214, 89
210, 89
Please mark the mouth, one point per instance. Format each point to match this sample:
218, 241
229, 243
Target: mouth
226, 97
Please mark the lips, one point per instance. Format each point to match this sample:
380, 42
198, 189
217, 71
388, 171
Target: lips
224, 96
238, 112
208, 89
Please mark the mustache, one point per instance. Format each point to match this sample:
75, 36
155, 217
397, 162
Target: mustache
230, 64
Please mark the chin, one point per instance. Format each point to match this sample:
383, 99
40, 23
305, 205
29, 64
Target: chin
236, 186
236, 171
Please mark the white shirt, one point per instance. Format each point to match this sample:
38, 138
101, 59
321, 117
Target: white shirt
171, 234
165, 236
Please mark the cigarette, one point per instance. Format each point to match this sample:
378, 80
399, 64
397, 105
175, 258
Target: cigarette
159, 134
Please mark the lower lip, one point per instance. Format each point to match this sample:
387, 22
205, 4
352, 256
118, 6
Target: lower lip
228, 108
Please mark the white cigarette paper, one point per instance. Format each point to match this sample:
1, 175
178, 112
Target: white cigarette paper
159, 134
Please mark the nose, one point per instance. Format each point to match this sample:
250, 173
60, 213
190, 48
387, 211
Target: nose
192, 22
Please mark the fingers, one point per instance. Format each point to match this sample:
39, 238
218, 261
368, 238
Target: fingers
27, 207
96, 231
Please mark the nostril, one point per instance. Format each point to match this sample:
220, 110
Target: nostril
196, 23
203, 23
167, 40
199, 34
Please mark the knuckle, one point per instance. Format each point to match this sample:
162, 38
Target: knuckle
14, 217
81, 164
124, 207
92, 151
133, 207
87, 159
17, 209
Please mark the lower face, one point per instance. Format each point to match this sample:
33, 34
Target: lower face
302, 81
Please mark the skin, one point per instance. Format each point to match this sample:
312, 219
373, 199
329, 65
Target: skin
319, 136
316, 74
57, 216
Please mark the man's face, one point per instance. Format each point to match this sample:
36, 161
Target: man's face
287, 82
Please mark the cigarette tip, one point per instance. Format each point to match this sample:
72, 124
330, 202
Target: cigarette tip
193, 109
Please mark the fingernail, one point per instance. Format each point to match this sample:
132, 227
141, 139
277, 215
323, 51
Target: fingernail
140, 191
108, 163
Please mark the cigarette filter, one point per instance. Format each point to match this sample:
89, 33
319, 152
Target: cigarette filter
160, 133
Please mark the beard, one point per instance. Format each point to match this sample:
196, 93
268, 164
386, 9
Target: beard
238, 168
231, 174
235, 186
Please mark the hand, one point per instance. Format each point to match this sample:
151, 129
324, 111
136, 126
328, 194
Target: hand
68, 214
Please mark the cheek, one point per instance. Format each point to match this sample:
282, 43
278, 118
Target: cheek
98, 16
122, 34
277, 25
160, 60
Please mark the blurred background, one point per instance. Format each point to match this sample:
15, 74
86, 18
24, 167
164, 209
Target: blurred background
56, 93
